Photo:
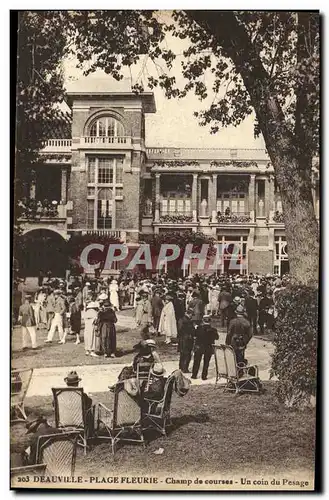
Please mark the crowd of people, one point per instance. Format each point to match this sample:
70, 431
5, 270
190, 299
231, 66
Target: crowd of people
180, 310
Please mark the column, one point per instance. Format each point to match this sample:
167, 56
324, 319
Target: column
267, 197
213, 199
194, 197
251, 196
157, 198
64, 186
271, 209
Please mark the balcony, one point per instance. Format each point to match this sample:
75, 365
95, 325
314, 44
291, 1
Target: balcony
119, 142
109, 233
234, 218
35, 211
206, 154
57, 146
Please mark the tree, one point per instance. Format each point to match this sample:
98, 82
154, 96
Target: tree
41, 45
267, 62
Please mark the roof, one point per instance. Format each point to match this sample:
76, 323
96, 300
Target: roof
61, 128
103, 88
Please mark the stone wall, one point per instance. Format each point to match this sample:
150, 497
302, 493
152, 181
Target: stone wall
260, 261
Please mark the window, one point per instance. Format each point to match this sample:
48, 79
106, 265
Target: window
106, 127
105, 175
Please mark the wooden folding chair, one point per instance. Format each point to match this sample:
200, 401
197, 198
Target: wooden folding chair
28, 470
240, 378
20, 382
58, 452
123, 423
157, 414
71, 413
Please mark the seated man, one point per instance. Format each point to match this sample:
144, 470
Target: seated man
38, 426
72, 380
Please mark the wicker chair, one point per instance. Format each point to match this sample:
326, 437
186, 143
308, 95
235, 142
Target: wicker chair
71, 413
220, 362
58, 452
143, 370
123, 424
157, 414
240, 377
20, 382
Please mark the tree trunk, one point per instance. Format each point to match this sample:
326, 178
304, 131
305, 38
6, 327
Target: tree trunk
291, 166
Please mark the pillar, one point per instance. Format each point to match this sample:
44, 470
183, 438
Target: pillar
213, 199
64, 186
271, 196
267, 197
157, 198
251, 196
194, 197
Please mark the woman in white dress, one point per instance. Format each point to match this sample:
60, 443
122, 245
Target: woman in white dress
114, 296
90, 316
167, 324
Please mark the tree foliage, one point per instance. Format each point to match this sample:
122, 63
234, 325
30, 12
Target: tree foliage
295, 356
40, 48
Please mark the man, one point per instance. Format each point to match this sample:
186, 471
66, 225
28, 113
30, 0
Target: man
122, 294
224, 299
265, 303
72, 380
131, 290
186, 333
38, 426
143, 313
251, 310
197, 306
157, 306
17, 301
239, 334
27, 320
50, 308
205, 336
85, 293
57, 322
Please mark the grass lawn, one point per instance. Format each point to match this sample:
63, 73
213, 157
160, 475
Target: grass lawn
212, 433
64, 355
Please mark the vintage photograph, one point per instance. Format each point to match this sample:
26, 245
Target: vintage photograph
165, 265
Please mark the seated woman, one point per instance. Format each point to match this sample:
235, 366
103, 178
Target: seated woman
146, 353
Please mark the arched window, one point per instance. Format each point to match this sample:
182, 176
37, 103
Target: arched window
106, 127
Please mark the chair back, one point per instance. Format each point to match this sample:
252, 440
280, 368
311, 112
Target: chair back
20, 381
220, 361
127, 410
69, 407
143, 370
230, 359
169, 387
58, 452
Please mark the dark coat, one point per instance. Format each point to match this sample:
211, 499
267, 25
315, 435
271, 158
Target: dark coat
205, 336
186, 333
239, 326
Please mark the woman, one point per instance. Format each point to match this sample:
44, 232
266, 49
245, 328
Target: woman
75, 318
106, 329
114, 296
90, 316
168, 324
40, 308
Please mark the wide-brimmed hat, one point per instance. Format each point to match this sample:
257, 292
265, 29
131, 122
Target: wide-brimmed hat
92, 305
237, 300
103, 296
106, 303
206, 318
32, 425
57, 291
72, 377
157, 370
150, 342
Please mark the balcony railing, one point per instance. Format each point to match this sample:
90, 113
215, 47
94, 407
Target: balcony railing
176, 218
106, 141
234, 218
57, 145
36, 211
109, 233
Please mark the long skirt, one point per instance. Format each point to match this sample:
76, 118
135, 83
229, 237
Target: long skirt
75, 321
108, 338
89, 337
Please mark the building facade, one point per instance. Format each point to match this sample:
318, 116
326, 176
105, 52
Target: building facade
98, 177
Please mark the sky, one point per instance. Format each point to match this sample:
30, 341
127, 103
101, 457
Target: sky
173, 124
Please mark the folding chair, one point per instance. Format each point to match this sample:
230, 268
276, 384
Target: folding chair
220, 362
240, 378
124, 423
28, 470
158, 412
20, 381
58, 452
71, 413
